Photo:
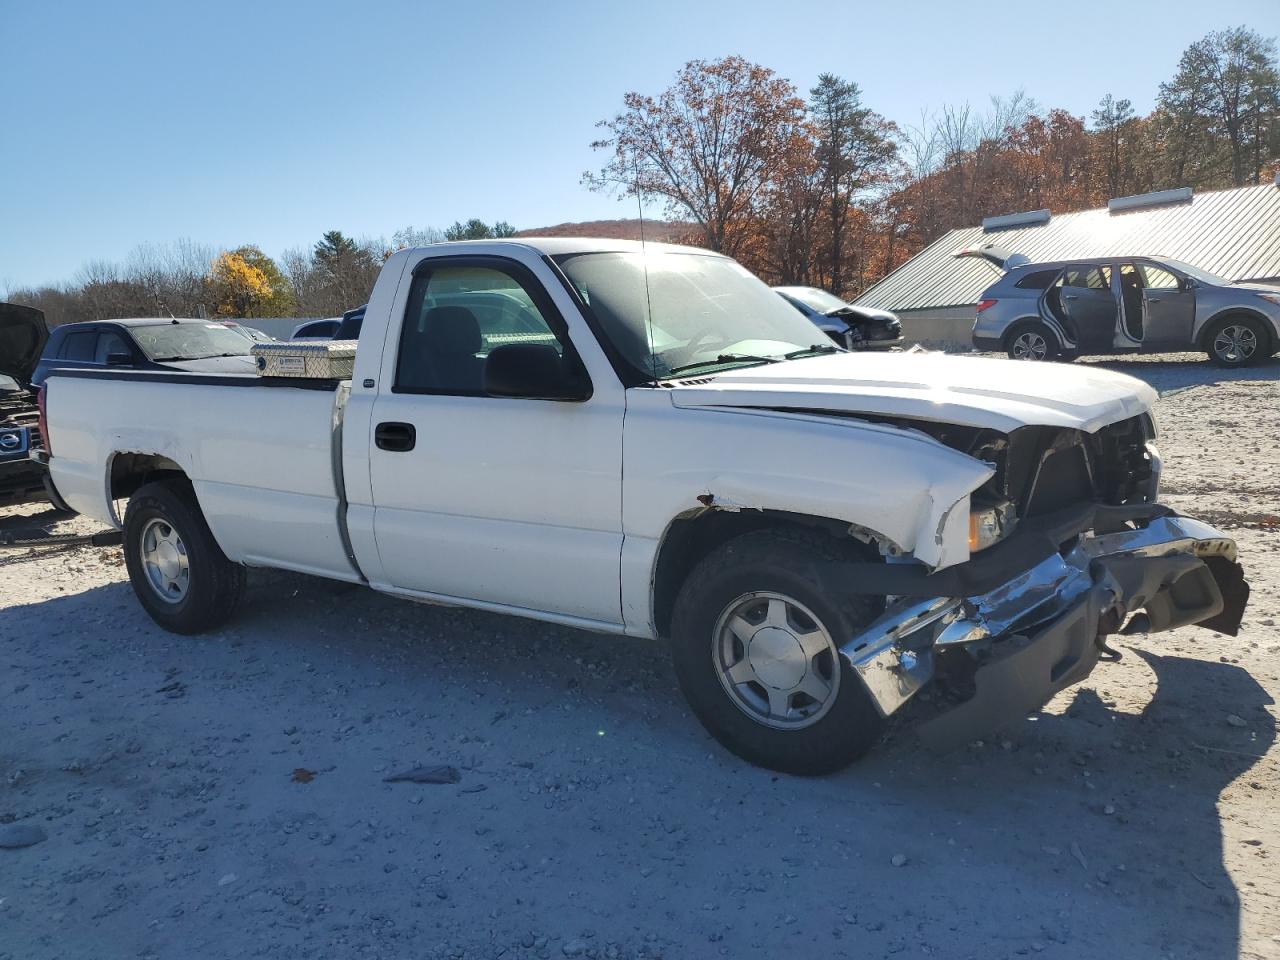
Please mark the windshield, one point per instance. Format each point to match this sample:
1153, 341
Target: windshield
707, 310
1195, 273
189, 341
815, 299
251, 333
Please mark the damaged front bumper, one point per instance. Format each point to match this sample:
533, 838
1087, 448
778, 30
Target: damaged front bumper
1007, 650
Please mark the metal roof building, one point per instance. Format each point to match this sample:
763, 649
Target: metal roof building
1233, 233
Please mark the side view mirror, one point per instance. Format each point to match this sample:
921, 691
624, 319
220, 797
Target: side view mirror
119, 359
533, 371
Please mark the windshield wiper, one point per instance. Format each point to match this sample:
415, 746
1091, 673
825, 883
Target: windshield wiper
723, 358
812, 350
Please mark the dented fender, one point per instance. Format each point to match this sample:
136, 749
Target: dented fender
899, 487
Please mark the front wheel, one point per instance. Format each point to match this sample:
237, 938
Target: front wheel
178, 572
1237, 342
755, 638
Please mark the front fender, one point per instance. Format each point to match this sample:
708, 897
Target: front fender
1200, 334
901, 486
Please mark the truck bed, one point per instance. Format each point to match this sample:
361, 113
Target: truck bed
260, 452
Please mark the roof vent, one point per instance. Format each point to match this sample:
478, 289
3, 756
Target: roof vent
1157, 199
1015, 220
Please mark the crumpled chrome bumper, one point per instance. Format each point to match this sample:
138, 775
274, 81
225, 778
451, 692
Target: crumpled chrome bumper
1040, 631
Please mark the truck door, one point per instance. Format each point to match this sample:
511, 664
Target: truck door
1088, 306
1168, 308
506, 500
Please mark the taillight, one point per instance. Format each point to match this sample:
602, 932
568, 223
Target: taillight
43, 421
983, 304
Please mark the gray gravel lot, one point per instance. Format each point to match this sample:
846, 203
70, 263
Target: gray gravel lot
224, 796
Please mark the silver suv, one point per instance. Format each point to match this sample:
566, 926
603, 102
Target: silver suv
1049, 311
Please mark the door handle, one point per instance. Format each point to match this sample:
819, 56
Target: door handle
1070, 296
1153, 299
395, 437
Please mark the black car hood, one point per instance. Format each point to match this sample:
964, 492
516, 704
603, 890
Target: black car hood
23, 334
856, 314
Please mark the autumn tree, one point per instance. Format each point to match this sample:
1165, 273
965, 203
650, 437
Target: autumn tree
791, 217
237, 286
705, 148
854, 151
278, 299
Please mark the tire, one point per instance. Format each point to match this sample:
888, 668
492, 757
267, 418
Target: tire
1020, 343
1237, 341
189, 586
759, 567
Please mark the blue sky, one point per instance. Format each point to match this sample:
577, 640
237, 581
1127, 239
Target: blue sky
271, 122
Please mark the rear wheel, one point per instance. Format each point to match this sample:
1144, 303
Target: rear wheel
755, 637
1031, 341
1237, 341
178, 572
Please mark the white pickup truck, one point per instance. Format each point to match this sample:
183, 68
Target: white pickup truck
651, 442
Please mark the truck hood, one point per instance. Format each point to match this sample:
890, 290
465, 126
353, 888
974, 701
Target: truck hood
997, 394
23, 334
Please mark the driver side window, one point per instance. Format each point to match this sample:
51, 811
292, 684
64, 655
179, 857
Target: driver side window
457, 314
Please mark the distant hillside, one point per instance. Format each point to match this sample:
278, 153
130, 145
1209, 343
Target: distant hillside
659, 231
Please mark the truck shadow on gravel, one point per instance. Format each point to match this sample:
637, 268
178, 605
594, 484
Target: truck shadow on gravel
1118, 807
1091, 831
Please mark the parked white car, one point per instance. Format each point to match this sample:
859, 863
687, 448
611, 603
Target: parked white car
653, 443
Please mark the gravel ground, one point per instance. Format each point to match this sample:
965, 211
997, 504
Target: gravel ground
224, 795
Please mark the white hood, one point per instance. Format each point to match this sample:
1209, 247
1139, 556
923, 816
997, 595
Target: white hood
999, 394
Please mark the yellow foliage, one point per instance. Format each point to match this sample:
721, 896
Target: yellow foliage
238, 286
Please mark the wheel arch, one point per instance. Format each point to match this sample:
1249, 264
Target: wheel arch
127, 471
689, 538
1226, 313
1030, 320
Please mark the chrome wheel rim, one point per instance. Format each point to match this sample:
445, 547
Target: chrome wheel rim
1235, 343
1030, 346
776, 661
165, 561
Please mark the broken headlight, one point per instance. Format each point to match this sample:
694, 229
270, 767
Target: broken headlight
988, 525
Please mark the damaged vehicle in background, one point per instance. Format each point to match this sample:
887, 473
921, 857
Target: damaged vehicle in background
664, 451
851, 326
23, 333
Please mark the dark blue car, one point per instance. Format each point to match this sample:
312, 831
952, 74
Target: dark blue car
146, 344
